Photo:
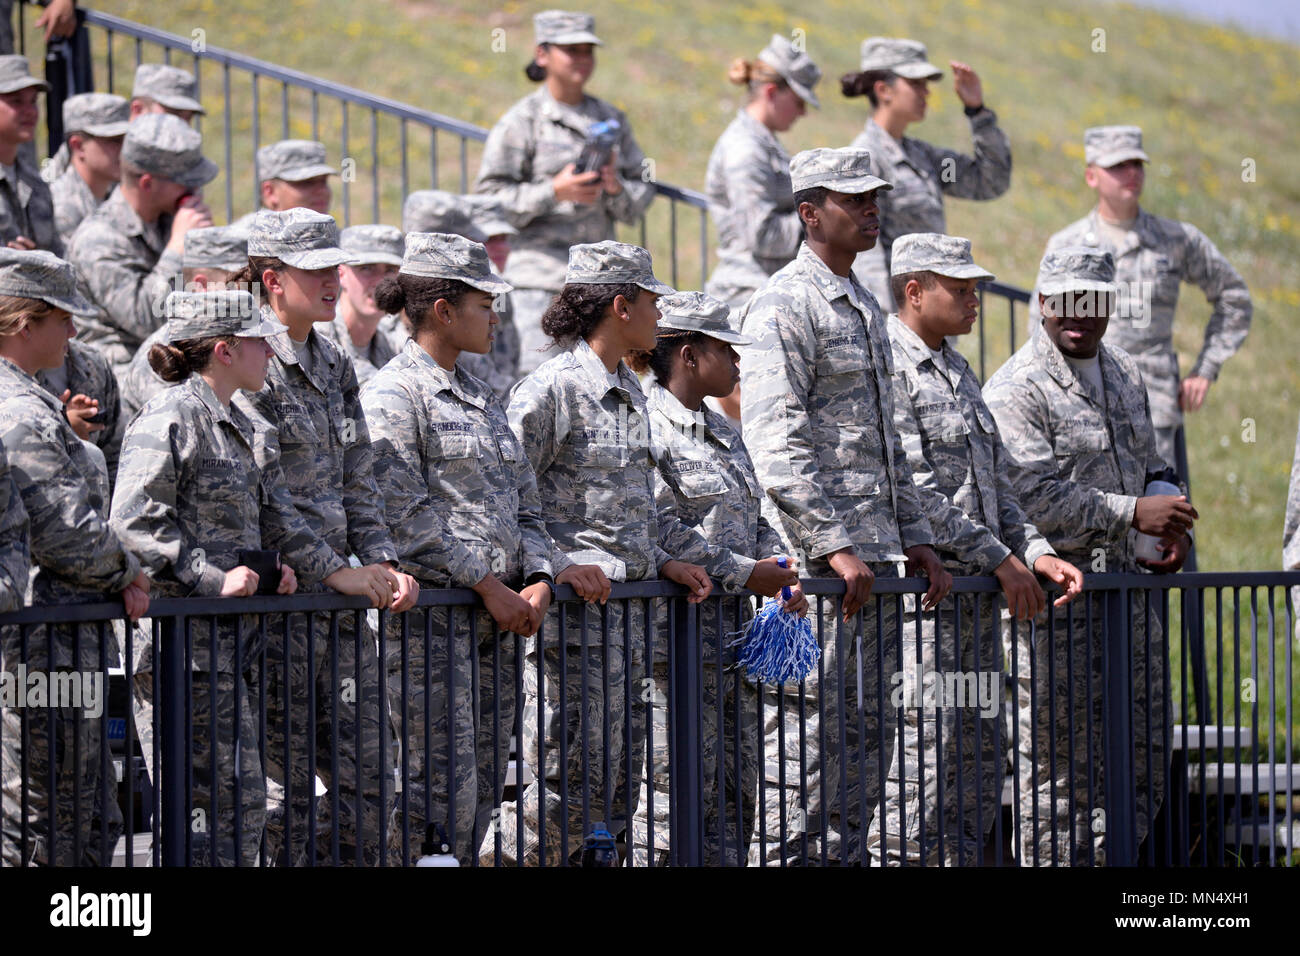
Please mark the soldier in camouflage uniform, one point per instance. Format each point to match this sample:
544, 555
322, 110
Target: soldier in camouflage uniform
706, 480
308, 417
817, 408
1291, 529
78, 560
1153, 257
528, 164
94, 125
894, 74
291, 174
192, 497
1076, 425
955, 453
462, 502
129, 251
478, 219
212, 256
583, 423
748, 179
355, 330
26, 209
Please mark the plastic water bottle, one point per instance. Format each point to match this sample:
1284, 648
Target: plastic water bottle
436, 848
598, 849
1147, 546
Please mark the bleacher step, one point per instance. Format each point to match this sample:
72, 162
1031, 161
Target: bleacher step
1272, 779
1191, 739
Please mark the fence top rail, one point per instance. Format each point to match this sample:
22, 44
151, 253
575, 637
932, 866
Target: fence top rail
1013, 292
443, 597
337, 90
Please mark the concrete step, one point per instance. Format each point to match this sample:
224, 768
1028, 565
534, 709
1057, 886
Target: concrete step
1265, 779
1191, 739
140, 850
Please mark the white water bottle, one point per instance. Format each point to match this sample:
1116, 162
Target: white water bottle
436, 849
1147, 546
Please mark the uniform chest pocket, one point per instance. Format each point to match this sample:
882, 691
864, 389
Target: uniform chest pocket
1074, 438
701, 483
457, 446
942, 422
842, 367
296, 426
984, 420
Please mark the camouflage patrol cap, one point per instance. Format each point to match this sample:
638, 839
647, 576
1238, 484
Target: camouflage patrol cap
169, 86
373, 243
16, 74
907, 58
1077, 269
699, 312
439, 255
561, 26
796, 67
934, 252
846, 170
1107, 146
301, 238
96, 114
167, 146
37, 274
432, 210
613, 263
215, 247
198, 315
293, 160
490, 216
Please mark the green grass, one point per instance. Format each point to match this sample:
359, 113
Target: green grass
1207, 98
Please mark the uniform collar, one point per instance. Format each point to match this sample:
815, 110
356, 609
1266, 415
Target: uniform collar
1144, 228
596, 378
30, 383
883, 145
755, 128
668, 405
283, 347
442, 380
1050, 357
826, 282
125, 219
569, 115
198, 386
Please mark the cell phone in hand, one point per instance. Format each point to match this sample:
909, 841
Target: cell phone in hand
266, 564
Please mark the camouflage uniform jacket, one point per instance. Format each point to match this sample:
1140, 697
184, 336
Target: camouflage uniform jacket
127, 272
953, 446
461, 497
15, 540
1291, 522
140, 382
536, 139
26, 208
366, 362
1078, 461
86, 372
706, 479
489, 368
313, 426
589, 444
921, 174
817, 407
752, 206
73, 203
192, 496
79, 558
1157, 256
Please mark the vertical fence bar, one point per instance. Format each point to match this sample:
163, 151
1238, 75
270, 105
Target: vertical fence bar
686, 735
284, 109
170, 664
257, 141
374, 165
1121, 826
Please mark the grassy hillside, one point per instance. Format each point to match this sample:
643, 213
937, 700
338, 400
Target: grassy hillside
1207, 98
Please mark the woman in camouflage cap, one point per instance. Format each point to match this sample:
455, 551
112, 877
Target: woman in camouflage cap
462, 502
77, 560
895, 77
706, 478
529, 164
191, 498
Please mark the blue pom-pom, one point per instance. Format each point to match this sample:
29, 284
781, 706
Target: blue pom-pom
778, 646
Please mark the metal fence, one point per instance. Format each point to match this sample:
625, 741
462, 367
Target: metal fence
1113, 732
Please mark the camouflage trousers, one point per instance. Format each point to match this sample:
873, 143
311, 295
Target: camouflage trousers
728, 742
62, 740
454, 710
535, 346
590, 731
334, 694
1063, 801
943, 792
227, 799
834, 744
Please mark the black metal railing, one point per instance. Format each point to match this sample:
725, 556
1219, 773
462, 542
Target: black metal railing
1087, 738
